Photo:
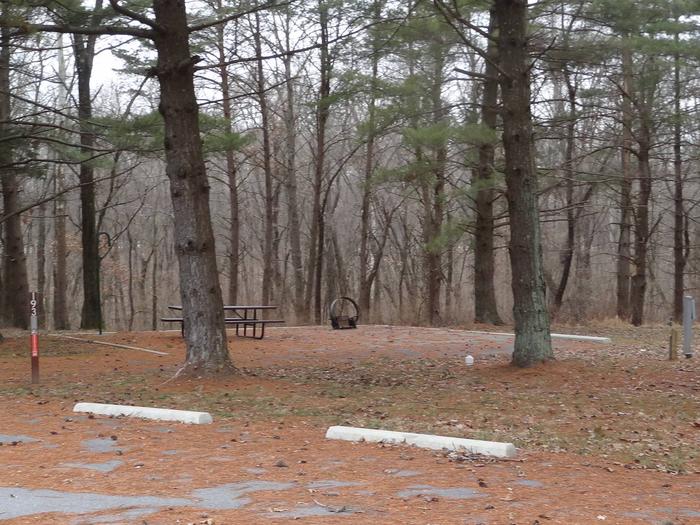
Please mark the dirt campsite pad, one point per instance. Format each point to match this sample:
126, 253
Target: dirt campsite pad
606, 433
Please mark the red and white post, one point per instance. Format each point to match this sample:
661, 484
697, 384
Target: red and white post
34, 337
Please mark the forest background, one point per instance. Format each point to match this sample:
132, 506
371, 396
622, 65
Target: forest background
353, 148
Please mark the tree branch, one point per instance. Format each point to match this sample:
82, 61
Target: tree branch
24, 29
235, 16
451, 16
134, 15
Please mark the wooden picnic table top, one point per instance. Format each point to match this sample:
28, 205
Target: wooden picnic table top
235, 307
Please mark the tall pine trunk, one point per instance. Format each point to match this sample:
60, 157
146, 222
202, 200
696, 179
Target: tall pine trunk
532, 337
567, 256
231, 168
641, 223
267, 169
316, 241
205, 333
15, 290
41, 266
84, 51
679, 221
60, 277
485, 307
434, 200
366, 276
624, 250
60, 271
290, 181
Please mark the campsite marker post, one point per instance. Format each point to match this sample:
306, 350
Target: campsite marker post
34, 338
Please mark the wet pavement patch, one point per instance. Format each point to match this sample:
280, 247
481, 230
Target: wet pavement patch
17, 502
10, 439
128, 516
112, 423
638, 515
100, 445
312, 511
687, 513
447, 493
107, 466
331, 484
256, 471
530, 483
400, 473
231, 495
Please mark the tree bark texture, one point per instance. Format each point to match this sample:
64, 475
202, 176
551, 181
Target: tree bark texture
203, 314
41, 266
532, 337
290, 183
84, 51
231, 170
485, 307
15, 290
60, 277
624, 246
434, 199
316, 241
567, 256
267, 169
641, 224
60, 272
366, 276
679, 217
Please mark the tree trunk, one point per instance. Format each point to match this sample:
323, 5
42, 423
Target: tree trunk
60, 277
366, 276
567, 255
231, 169
15, 292
130, 270
267, 168
583, 303
84, 53
641, 224
205, 333
485, 306
532, 337
41, 266
154, 282
316, 240
290, 182
449, 279
318, 271
679, 232
624, 252
60, 274
433, 201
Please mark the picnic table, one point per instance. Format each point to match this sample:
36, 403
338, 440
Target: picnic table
242, 316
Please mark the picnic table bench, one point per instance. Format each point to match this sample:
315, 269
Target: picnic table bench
242, 317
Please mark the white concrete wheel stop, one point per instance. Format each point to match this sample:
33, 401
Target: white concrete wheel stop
474, 446
160, 414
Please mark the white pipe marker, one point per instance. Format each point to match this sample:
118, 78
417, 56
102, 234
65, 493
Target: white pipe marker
161, 414
573, 337
489, 448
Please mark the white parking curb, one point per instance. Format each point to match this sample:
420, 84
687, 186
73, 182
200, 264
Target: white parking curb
489, 448
161, 414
